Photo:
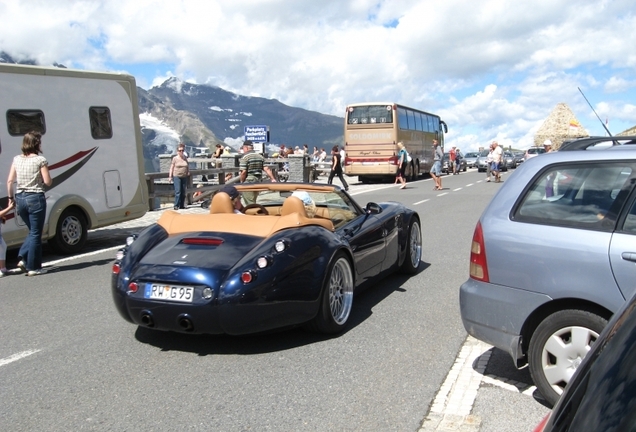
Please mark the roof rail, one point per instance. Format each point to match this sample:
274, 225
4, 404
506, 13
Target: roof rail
584, 143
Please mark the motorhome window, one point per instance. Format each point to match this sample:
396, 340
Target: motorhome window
101, 126
20, 122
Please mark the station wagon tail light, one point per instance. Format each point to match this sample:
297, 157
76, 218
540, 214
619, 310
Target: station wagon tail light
478, 262
116, 268
133, 287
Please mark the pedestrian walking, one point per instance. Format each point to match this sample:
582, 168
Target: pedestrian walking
402, 162
30, 174
336, 167
497, 157
436, 170
489, 163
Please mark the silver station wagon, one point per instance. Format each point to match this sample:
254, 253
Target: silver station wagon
553, 256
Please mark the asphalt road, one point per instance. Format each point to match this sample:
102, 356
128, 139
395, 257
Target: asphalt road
69, 362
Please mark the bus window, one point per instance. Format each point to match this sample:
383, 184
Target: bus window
418, 122
411, 116
431, 124
435, 124
402, 120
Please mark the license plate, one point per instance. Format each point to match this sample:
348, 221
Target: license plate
169, 293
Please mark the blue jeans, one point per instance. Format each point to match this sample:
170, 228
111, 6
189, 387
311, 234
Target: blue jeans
180, 184
31, 208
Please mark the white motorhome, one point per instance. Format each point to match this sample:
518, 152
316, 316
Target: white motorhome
91, 139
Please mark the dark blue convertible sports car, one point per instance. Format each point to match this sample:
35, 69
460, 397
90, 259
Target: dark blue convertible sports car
296, 255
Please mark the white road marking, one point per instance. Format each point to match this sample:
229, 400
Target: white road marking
16, 357
455, 190
454, 401
74, 257
469, 184
423, 201
442, 194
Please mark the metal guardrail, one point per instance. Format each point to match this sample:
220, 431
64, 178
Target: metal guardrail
159, 186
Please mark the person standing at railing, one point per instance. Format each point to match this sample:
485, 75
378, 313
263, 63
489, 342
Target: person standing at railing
251, 167
179, 173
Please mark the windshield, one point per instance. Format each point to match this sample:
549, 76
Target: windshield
335, 205
370, 114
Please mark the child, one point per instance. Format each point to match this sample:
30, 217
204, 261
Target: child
3, 245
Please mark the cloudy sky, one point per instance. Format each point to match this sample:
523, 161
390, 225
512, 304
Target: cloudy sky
492, 69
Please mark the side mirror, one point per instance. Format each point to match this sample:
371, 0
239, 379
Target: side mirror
373, 208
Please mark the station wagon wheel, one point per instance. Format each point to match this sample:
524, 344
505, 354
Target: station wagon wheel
558, 346
70, 233
337, 297
413, 248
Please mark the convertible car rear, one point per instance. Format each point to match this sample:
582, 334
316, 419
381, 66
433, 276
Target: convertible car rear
296, 256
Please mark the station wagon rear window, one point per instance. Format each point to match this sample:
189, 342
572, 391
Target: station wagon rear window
20, 122
583, 195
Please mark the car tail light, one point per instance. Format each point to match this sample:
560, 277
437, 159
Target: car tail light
116, 268
247, 276
478, 261
133, 287
202, 241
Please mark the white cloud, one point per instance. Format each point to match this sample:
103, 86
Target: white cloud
492, 71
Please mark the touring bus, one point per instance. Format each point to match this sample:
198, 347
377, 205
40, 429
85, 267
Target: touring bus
372, 131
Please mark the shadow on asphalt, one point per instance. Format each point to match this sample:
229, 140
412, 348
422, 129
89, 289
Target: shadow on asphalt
501, 368
278, 340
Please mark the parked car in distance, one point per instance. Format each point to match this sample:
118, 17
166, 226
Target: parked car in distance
544, 294
471, 159
509, 160
518, 158
602, 392
532, 152
482, 165
446, 165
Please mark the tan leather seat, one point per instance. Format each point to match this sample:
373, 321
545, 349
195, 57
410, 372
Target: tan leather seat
291, 205
294, 204
221, 203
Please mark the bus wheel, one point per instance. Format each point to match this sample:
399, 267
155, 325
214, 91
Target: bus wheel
70, 233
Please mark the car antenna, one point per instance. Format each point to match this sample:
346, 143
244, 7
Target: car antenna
599, 119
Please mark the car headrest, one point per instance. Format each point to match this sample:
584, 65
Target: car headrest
291, 205
221, 203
